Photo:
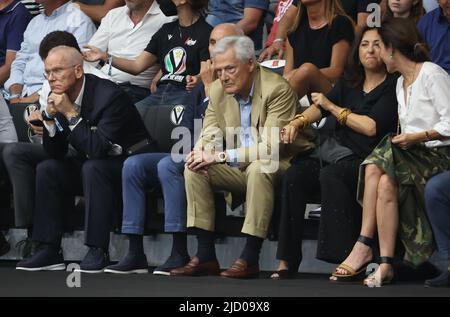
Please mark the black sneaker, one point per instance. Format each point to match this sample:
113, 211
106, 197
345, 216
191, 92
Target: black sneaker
46, 258
95, 261
26, 247
4, 245
442, 280
129, 265
170, 264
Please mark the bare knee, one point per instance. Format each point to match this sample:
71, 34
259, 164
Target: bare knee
387, 189
372, 172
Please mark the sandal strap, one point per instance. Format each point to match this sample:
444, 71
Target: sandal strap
387, 260
349, 269
366, 240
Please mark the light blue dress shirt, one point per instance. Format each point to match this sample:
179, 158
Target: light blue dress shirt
245, 132
28, 68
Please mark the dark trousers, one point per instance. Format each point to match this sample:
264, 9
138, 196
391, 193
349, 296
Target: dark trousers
136, 93
300, 184
341, 216
20, 160
57, 183
437, 199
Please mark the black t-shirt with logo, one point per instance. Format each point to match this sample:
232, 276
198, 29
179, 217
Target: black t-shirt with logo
180, 50
315, 46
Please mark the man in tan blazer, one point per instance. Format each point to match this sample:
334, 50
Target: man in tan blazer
238, 151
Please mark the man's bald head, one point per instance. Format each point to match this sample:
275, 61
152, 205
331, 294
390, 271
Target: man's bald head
221, 31
68, 54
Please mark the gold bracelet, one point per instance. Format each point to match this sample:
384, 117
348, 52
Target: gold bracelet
304, 120
342, 116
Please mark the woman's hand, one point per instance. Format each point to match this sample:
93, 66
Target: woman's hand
320, 100
191, 82
289, 133
94, 54
405, 140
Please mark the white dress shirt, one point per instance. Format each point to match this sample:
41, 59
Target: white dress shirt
28, 68
118, 36
428, 103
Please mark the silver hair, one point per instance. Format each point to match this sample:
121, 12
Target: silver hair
72, 55
243, 47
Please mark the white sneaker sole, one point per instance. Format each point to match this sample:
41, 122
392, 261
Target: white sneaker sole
137, 271
54, 267
165, 273
89, 271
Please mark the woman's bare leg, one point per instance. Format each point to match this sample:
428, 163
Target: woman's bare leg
308, 78
361, 253
387, 225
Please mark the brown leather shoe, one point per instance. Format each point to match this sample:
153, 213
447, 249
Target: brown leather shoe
194, 268
240, 269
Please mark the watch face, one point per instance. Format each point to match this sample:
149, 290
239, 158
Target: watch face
74, 120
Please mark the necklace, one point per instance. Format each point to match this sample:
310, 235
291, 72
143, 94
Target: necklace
368, 89
193, 20
318, 26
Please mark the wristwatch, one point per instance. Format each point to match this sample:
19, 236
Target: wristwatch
222, 157
73, 120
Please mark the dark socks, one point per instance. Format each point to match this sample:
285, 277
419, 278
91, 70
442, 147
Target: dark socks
252, 249
206, 250
136, 246
179, 245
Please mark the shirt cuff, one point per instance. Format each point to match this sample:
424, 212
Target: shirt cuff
71, 127
51, 129
232, 157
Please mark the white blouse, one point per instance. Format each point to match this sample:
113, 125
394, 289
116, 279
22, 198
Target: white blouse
428, 103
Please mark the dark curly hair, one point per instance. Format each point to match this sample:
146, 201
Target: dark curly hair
57, 38
198, 5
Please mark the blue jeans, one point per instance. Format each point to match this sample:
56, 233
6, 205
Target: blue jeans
437, 200
166, 94
150, 169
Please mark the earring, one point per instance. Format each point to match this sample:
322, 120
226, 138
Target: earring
391, 56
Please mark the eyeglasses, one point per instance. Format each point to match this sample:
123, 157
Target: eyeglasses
57, 72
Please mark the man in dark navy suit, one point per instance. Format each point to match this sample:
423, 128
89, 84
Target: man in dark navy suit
89, 125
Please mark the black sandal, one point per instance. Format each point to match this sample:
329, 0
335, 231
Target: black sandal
354, 274
372, 281
283, 274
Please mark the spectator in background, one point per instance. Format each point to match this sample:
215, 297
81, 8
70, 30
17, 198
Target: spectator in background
411, 9
318, 47
430, 5
437, 201
97, 9
33, 7
247, 14
150, 169
14, 19
178, 46
125, 32
369, 92
7, 135
26, 77
275, 45
435, 30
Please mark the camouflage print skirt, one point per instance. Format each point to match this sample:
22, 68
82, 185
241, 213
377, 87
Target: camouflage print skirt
410, 169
